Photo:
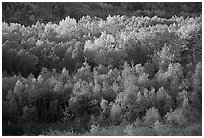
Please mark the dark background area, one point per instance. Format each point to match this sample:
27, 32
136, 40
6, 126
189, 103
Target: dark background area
28, 13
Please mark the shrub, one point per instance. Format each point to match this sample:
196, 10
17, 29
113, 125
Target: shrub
176, 118
152, 115
115, 114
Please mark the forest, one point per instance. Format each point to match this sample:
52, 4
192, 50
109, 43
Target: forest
102, 69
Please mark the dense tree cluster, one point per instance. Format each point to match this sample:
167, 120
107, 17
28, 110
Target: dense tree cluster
140, 73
